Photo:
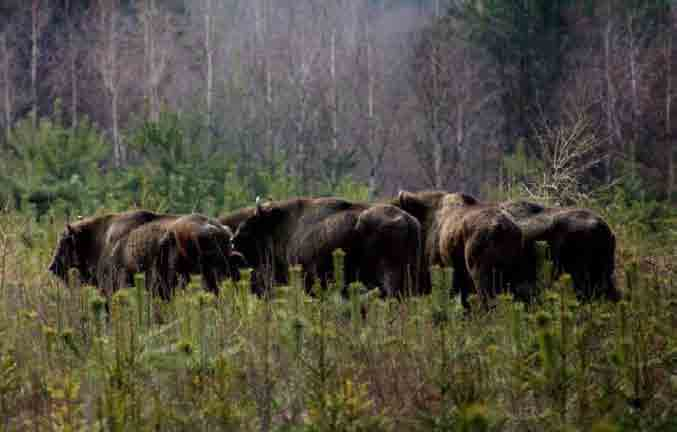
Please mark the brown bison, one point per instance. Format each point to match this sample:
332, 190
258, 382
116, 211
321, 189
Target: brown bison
107, 250
390, 249
169, 251
82, 243
581, 243
306, 231
483, 245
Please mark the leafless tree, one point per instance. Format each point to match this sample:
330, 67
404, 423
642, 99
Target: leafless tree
457, 91
108, 65
157, 40
7, 71
39, 18
569, 151
669, 57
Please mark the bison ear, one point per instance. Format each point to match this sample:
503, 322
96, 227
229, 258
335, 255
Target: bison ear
401, 196
69, 229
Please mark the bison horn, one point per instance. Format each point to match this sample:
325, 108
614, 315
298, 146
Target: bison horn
258, 205
400, 196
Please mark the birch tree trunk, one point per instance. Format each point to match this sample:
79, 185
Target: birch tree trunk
370, 111
35, 10
210, 71
334, 93
670, 152
156, 58
7, 99
262, 31
302, 120
438, 154
146, 53
109, 71
634, 85
72, 65
609, 96
334, 102
270, 139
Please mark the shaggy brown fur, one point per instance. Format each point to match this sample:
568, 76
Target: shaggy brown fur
108, 249
581, 243
396, 235
306, 231
170, 250
483, 245
82, 243
234, 219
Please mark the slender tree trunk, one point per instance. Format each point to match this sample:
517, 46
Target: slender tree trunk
114, 87
6, 85
262, 30
110, 75
119, 154
334, 95
155, 66
670, 153
370, 112
634, 86
301, 123
460, 138
210, 71
34, 60
334, 103
73, 64
609, 96
270, 138
435, 138
146, 53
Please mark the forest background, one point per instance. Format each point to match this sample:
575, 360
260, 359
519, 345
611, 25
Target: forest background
201, 105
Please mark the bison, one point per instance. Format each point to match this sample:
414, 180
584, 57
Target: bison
82, 244
306, 231
483, 245
169, 251
390, 249
581, 244
107, 250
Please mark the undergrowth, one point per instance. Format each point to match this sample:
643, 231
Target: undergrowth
294, 362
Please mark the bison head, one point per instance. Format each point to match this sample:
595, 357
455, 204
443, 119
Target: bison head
254, 233
419, 204
216, 241
66, 254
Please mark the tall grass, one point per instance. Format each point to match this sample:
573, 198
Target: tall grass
294, 362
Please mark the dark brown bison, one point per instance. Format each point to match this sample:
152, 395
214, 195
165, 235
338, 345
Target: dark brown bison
483, 245
581, 243
169, 251
82, 243
108, 249
307, 231
390, 249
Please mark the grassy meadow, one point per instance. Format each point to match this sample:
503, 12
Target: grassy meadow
299, 363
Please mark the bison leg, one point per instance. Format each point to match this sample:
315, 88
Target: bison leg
487, 281
462, 282
393, 281
209, 279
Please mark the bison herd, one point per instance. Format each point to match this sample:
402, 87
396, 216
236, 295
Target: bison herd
390, 245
